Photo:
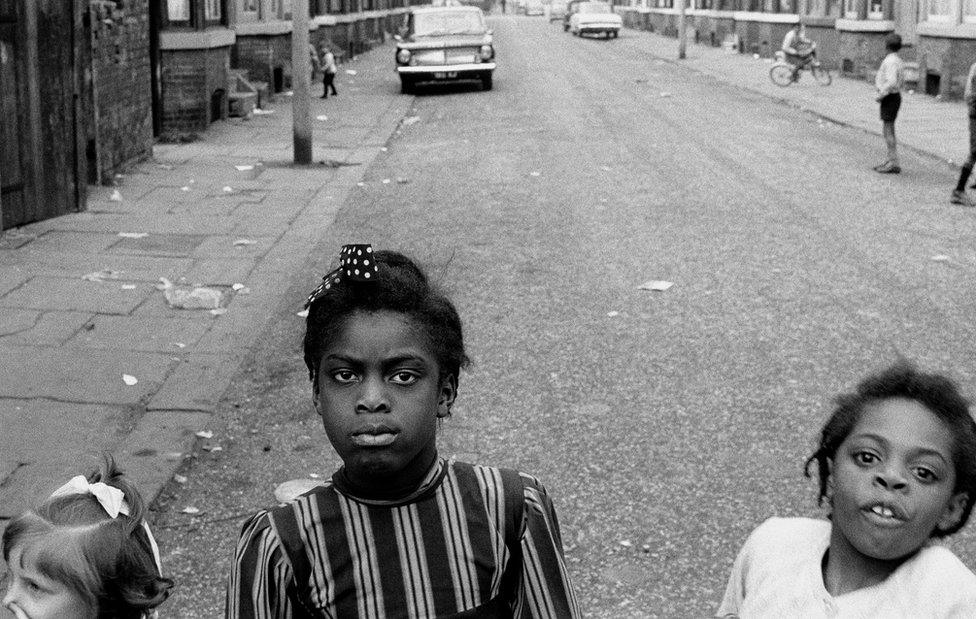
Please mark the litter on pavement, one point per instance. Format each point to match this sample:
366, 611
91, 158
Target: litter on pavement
129, 379
133, 235
189, 509
259, 112
350, 72
302, 314
409, 120
656, 285
244, 242
322, 117
612, 314
190, 297
101, 276
116, 196
244, 168
204, 434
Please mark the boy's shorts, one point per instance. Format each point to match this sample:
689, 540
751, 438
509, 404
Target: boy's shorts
889, 107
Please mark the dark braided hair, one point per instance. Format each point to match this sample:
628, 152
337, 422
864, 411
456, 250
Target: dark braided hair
935, 392
398, 286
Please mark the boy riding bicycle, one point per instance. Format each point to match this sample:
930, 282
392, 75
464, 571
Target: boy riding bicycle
798, 50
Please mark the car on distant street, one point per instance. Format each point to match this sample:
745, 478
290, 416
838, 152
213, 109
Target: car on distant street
445, 44
571, 8
557, 10
595, 18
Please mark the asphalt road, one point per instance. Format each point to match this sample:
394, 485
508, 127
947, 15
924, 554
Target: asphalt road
666, 424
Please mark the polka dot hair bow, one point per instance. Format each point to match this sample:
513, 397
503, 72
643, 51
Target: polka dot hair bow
356, 264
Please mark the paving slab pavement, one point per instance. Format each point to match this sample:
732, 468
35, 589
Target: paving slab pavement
80, 306
925, 124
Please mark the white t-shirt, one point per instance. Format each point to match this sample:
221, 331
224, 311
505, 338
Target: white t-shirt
778, 574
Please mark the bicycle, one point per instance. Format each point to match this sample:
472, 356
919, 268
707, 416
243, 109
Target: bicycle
784, 73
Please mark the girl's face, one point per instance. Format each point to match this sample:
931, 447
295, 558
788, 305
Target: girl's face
892, 482
379, 397
32, 594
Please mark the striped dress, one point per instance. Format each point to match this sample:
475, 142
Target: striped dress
462, 545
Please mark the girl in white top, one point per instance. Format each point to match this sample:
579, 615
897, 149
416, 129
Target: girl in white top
897, 466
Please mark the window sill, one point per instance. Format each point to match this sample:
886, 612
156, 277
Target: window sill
946, 31
197, 39
865, 25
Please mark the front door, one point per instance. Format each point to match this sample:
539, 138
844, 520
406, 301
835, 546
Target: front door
41, 174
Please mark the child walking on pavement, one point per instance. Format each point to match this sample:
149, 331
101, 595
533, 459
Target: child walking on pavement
897, 467
959, 195
889, 81
398, 531
329, 70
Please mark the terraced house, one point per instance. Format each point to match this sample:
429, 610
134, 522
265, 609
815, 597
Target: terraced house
939, 35
89, 85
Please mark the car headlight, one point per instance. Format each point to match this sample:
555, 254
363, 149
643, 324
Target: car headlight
403, 56
487, 52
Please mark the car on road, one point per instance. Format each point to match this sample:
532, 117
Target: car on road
448, 43
595, 18
571, 8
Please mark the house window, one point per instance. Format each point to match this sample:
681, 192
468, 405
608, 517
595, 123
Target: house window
969, 11
850, 9
940, 10
250, 6
178, 11
213, 11
875, 9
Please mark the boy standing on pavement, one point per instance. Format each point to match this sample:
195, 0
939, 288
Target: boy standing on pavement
889, 81
959, 195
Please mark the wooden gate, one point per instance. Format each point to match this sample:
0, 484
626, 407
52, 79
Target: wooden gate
42, 164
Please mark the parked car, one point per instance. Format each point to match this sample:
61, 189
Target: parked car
595, 18
445, 44
571, 8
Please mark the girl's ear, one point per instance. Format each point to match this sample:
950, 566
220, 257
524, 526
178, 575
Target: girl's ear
953, 511
445, 399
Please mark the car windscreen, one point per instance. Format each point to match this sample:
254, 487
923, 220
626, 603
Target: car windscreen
594, 7
448, 22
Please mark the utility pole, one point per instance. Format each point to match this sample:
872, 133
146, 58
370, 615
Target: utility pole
682, 30
301, 78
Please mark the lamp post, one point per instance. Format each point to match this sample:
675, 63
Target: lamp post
301, 79
682, 30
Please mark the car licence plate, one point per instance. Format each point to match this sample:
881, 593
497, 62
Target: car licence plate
442, 75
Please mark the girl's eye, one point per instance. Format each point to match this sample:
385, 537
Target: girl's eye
403, 377
344, 376
865, 457
925, 474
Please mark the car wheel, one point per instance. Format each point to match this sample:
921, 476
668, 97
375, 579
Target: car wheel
614, 34
407, 86
565, 28
486, 81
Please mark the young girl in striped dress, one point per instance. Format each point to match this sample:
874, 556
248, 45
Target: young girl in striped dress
398, 531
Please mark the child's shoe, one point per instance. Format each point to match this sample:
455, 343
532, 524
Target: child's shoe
961, 197
889, 168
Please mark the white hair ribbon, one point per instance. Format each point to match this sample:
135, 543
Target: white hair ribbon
112, 501
111, 498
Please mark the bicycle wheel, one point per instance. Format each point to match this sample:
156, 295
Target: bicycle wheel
781, 74
821, 75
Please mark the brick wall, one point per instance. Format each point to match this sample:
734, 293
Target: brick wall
944, 64
261, 56
190, 80
122, 88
